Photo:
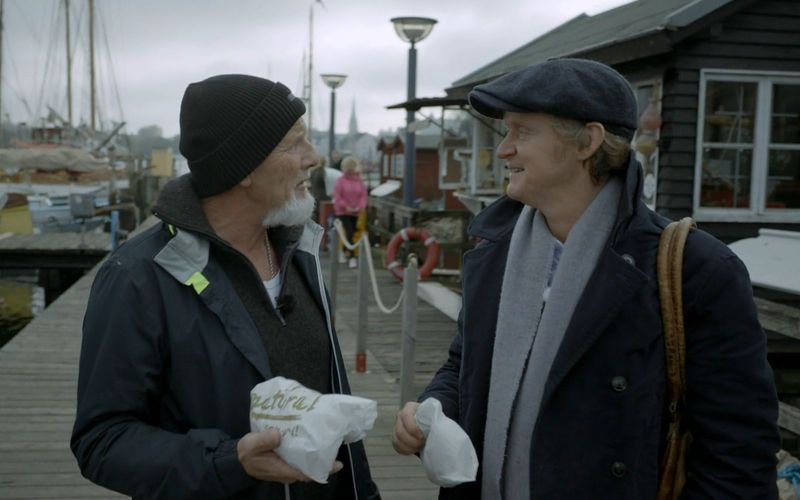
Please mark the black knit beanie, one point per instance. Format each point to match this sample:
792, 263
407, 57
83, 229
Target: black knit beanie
230, 124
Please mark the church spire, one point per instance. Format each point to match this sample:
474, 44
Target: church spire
353, 129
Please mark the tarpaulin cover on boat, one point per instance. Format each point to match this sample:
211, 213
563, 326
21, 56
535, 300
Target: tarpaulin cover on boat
72, 159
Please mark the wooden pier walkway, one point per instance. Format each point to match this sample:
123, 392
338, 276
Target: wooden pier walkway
38, 380
38, 383
397, 477
53, 250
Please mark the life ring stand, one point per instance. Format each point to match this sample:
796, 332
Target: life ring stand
407, 234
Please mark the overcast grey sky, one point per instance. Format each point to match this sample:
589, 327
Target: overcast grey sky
157, 47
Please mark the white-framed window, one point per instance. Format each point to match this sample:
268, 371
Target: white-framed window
455, 150
747, 166
385, 165
453, 157
487, 172
398, 164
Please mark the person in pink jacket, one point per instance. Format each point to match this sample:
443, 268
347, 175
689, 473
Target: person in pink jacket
349, 198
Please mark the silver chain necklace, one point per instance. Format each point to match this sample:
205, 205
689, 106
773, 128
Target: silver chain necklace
269, 255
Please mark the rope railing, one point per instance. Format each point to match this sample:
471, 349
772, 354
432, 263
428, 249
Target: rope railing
408, 297
364, 241
343, 237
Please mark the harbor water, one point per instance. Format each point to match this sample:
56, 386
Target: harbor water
21, 299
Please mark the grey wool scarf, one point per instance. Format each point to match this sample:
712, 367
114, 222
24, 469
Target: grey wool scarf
528, 334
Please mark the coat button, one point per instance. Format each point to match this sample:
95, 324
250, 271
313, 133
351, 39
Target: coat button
627, 258
619, 469
619, 383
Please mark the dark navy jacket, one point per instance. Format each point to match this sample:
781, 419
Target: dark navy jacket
601, 427
168, 359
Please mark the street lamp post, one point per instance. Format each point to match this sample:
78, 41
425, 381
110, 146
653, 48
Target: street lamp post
333, 81
412, 30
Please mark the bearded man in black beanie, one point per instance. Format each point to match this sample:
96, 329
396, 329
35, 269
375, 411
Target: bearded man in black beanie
224, 293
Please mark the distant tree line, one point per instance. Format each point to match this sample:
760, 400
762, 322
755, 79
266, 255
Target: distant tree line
147, 139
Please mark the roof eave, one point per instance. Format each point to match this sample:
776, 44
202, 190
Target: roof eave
647, 44
692, 12
677, 25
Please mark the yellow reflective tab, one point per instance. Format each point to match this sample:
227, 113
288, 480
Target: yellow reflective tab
198, 282
171, 229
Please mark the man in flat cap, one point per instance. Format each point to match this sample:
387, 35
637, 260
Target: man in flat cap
557, 372
224, 292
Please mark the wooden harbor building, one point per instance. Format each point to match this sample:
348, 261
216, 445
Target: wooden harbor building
718, 85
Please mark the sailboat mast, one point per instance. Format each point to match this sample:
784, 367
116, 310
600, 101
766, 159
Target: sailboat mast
93, 96
69, 64
310, 70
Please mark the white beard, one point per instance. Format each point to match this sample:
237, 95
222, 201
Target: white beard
294, 212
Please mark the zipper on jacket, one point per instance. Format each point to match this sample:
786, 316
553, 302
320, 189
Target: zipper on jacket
279, 313
321, 281
286, 259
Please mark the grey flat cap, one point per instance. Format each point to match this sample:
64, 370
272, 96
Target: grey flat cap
580, 89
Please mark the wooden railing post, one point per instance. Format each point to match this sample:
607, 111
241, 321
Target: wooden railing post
409, 330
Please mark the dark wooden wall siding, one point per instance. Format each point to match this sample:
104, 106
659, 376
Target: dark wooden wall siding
762, 36
678, 133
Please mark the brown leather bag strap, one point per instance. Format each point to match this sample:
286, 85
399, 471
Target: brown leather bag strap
670, 291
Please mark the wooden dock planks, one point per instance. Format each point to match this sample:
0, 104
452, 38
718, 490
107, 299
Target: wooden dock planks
53, 250
38, 383
55, 242
398, 477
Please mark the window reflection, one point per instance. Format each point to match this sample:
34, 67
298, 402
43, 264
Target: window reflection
726, 178
730, 112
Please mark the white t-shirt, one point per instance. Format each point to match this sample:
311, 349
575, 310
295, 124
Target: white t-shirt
273, 287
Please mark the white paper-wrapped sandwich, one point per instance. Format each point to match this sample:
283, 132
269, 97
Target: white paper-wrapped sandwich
448, 457
312, 425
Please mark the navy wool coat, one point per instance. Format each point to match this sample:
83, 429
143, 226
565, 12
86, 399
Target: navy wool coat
601, 427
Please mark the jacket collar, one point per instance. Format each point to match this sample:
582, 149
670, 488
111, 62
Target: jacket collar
496, 222
630, 203
179, 205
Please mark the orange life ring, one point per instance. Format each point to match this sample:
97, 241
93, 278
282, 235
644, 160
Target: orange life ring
412, 233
